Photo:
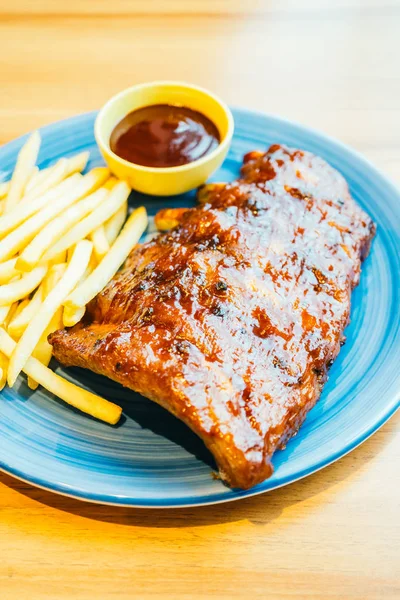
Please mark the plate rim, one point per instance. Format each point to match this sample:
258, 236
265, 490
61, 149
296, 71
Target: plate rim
63, 490
387, 411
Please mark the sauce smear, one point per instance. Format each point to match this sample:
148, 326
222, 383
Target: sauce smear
164, 136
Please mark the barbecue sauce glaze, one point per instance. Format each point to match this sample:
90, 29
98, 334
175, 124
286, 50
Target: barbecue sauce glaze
164, 136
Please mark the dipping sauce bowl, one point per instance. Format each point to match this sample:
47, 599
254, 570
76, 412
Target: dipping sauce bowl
164, 181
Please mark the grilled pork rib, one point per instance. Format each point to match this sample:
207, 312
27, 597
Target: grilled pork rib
231, 319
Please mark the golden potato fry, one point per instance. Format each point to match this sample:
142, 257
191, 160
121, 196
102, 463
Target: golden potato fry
23, 170
35, 173
110, 183
4, 310
48, 308
204, 191
59, 259
81, 230
72, 316
32, 384
53, 276
168, 218
11, 313
53, 177
95, 282
8, 271
20, 237
70, 253
100, 243
20, 322
16, 290
37, 177
4, 187
113, 226
75, 164
91, 267
3, 370
78, 162
71, 394
53, 231
43, 350
77, 186
14, 218
12, 310
14, 314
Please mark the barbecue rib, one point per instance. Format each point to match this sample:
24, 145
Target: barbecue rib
231, 319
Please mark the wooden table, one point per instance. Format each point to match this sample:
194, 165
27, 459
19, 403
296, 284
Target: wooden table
331, 64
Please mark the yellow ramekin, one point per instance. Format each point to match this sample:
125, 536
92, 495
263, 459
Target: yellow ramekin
172, 180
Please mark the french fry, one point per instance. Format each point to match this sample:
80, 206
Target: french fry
91, 266
168, 218
32, 384
204, 191
75, 164
7, 311
4, 187
81, 230
11, 313
81, 186
44, 350
14, 218
53, 177
20, 237
71, 394
35, 173
95, 282
20, 306
78, 162
72, 316
33, 252
100, 243
70, 252
13, 310
3, 369
53, 276
16, 309
8, 271
110, 183
37, 177
23, 170
4, 310
48, 308
113, 226
16, 290
20, 322
59, 259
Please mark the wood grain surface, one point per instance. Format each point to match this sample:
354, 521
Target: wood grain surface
331, 64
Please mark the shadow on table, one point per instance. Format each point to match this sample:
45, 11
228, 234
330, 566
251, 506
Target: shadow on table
259, 509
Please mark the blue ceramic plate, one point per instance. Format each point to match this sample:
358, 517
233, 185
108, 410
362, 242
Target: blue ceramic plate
151, 459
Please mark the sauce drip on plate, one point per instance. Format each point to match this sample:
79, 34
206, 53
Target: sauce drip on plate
164, 136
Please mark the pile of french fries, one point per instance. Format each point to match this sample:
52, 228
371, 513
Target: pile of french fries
63, 236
